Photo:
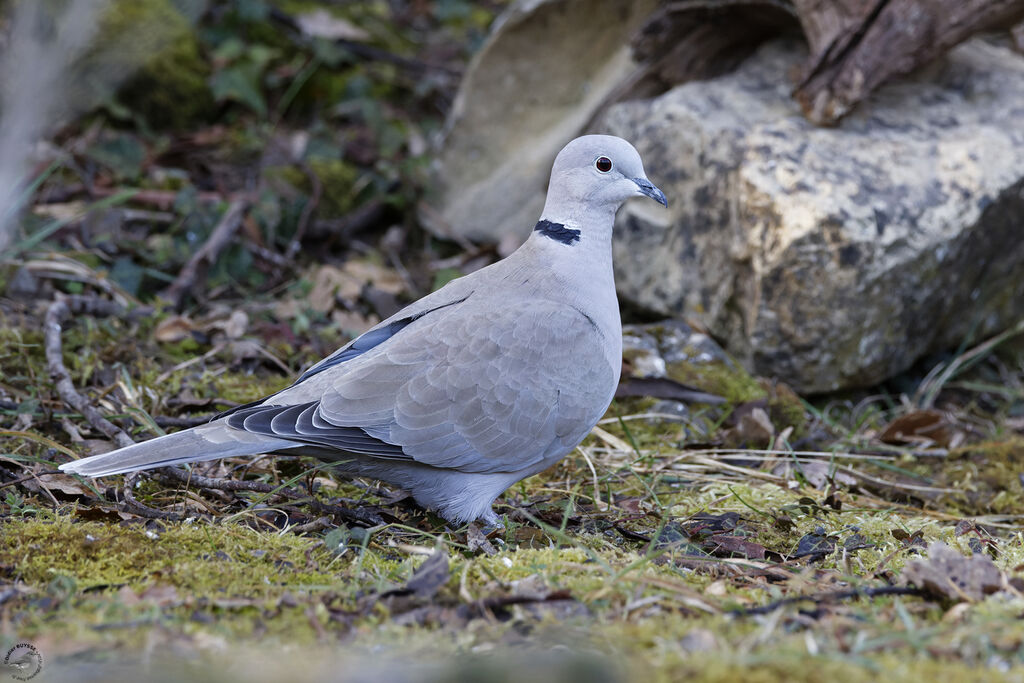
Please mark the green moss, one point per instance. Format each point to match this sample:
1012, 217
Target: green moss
985, 477
337, 181
170, 89
785, 408
728, 380
208, 560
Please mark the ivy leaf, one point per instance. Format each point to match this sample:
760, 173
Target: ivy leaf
240, 83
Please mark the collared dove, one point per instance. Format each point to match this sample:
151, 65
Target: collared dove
492, 378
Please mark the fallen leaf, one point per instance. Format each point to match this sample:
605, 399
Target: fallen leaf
477, 541
173, 329
817, 473
922, 427
322, 24
947, 575
856, 542
64, 483
430, 576
753, 428
235, 326
734, 545
815, 545
329, 283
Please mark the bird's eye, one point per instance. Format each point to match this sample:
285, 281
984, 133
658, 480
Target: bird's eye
603, 164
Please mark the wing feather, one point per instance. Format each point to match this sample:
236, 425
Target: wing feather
483, 391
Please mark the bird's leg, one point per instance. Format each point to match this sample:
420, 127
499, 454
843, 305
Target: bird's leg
491, 522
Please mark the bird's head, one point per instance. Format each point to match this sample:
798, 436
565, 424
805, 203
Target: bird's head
601, 170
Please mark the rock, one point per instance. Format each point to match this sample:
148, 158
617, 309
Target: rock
532, 87
673, 350
832, 257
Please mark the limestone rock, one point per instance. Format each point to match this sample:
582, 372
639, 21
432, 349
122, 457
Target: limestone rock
673, 350
832, 257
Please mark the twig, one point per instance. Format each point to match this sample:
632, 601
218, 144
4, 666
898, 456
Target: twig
197, 266
182, 422
267, 255
131, 503
318, 524
828, 597
58, 311
161, 199
316, 190
351, 223
26, 478
367, 518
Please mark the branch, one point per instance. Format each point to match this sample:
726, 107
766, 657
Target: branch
856, 45
59, 311
195, 270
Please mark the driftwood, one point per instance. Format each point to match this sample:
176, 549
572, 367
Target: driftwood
854, 45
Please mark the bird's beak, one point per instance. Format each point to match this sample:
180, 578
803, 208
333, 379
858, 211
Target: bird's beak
649, 190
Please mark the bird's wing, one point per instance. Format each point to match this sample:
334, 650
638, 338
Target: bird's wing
489, 389
378, 334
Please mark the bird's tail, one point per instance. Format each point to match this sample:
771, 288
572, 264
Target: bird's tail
206, 442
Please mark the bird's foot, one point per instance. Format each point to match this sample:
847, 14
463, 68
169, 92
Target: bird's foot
491, 522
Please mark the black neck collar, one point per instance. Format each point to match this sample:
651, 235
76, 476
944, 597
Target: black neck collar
557, 232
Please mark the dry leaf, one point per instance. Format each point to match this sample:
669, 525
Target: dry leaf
476, 540
918, 427
428, 578
64, 483
353, 323
815, 472
369, 273
754, 428
322, 24
234, 326
328, 284
948, 575
173, 329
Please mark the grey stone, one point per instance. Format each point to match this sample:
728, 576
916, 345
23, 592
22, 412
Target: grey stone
832, 257
653, 347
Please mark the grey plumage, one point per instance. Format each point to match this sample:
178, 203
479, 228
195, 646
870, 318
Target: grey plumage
490, 379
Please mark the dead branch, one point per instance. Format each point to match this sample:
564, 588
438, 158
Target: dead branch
132, 504
182, 422
318, 524
195, 270
60, 310
316, 190
832, 596
285, 493
856, 45
34, 475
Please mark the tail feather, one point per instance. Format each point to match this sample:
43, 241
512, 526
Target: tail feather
207, 442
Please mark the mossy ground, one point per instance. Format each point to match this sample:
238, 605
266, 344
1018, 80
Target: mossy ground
630, 588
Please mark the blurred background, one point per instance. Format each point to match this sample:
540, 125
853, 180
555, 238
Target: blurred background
225, 191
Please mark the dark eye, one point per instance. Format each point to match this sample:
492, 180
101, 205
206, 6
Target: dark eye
603, 164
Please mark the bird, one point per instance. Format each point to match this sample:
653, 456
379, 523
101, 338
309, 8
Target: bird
488, 380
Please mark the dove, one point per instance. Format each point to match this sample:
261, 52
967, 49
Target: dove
490, 379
